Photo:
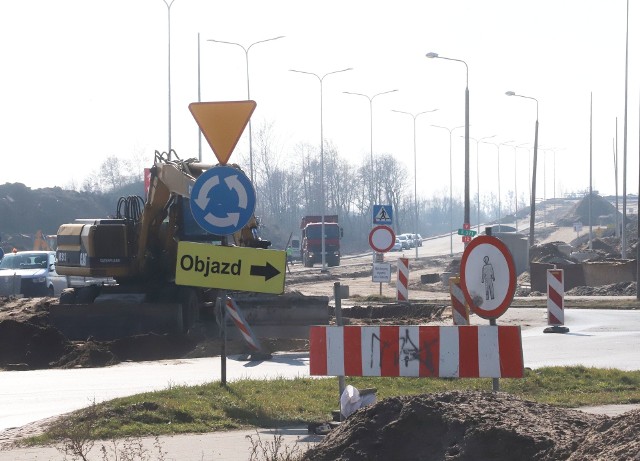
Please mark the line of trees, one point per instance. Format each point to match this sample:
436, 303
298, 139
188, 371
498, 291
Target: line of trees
290, 186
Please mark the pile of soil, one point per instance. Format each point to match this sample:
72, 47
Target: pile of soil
549, 253
601, 211
397, 314
615, 289
477, 426
28, 341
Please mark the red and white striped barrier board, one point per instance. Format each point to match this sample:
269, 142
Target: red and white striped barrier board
555, 296
459, 307
472, 351
402, 283
242, 324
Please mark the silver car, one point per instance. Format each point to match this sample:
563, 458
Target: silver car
404, 241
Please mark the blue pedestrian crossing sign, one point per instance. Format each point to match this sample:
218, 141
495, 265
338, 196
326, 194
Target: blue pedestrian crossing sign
222, 200
382, 214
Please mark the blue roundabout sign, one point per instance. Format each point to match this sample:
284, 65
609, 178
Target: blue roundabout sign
222, 200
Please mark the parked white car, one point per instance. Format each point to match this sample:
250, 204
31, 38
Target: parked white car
31, 274
409, 238
417, 239
404, 241
397, 246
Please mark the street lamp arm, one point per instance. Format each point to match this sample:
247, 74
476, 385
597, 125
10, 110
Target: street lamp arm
308, 73
227, 43
357, 94
265, 40
512, 93
335, 72
450, 130
380, 94
414, 115
436, 55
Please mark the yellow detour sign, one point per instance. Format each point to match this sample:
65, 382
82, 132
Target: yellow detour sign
222, 124
230, 268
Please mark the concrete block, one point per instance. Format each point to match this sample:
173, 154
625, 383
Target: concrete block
429, 278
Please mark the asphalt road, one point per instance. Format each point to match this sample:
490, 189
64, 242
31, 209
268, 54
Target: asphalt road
597, 338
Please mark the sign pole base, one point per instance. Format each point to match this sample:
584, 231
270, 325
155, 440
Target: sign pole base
556, 329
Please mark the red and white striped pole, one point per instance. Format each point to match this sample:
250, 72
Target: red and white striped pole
459, 307
242, 325
555, 301
402, 284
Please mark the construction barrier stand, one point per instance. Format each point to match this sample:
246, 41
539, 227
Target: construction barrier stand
459, 306
402, 284
555, 297
238, 319
482, 351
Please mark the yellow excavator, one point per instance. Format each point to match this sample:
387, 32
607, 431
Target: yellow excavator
138, 247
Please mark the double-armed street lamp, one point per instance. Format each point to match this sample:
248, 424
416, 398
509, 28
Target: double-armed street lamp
168, 3
415, 167
246, 57
521, 146
478, 174
321, 80
532, 220
466, 137
371, 98
499, 191
450, 130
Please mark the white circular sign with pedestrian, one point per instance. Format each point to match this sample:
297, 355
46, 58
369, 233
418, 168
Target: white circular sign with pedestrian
487, 276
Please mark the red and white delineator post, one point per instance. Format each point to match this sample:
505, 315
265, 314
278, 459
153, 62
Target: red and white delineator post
555, 301
242, 324
459, 306
402, 284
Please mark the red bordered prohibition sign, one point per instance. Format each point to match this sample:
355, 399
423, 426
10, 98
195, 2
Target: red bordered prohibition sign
382, 238
487, 276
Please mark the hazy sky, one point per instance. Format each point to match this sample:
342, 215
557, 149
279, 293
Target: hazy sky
84, 79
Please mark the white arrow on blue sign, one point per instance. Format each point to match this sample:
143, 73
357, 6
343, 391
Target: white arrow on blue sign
222, 200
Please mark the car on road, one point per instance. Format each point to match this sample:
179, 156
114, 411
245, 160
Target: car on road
410, 239
404, 241
417, 239
397, 246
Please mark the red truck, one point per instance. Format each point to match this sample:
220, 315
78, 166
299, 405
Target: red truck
311, 227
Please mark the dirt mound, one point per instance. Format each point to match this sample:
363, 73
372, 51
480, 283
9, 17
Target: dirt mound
399, 314
549, 253
28, 341
615, 289
25, 345
477, 426
602, 212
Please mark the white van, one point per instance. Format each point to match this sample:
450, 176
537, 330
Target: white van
30, 274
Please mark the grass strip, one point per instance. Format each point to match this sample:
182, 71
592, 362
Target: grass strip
286, 402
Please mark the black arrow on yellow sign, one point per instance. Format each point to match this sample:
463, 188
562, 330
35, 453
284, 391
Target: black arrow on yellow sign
267, 271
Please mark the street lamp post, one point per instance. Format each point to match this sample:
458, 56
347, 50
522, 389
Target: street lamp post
520, 146
371, 98
466, 137
415, 167
168, 3
532, 220
499, 192
320, 80
450, 130
246, 57
478, 175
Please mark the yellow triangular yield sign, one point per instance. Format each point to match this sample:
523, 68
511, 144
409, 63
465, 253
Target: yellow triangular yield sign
222, 124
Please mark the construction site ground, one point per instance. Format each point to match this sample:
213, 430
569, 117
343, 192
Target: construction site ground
448, 426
